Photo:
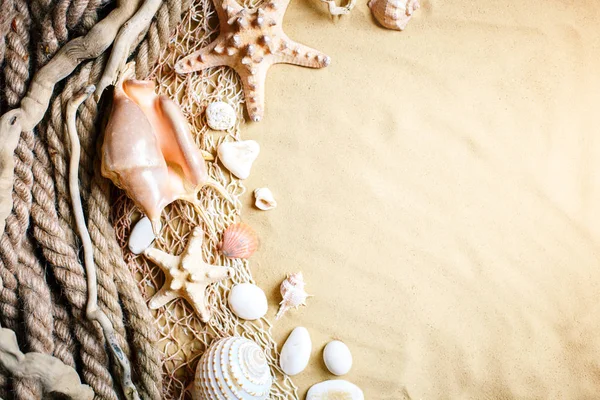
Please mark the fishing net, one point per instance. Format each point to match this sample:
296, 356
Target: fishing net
183, 337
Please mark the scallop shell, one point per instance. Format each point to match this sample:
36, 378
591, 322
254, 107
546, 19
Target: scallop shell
292, 291
220, 116
393, 14
239, 241
233, 368
264, 199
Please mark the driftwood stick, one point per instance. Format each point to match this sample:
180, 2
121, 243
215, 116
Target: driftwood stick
127, 36
10, 131
94, 43
53, 375
93, 312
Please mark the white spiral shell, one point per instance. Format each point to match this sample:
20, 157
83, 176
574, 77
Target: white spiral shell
233, 368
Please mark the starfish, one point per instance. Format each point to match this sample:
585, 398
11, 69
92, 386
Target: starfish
250, 41
186, 275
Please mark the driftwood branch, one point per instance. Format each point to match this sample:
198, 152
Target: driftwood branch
93, 312
54, 376
128, 35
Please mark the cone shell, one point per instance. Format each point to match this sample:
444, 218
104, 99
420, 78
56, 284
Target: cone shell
233, 368
239, 241
393, 14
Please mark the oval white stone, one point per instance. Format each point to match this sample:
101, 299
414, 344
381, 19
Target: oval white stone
141, 236
335, 389
248, 301
295, 352
220, 116
337, 357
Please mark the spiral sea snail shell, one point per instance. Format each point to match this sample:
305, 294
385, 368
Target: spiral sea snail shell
233, 368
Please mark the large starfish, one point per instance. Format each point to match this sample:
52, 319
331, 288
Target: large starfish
186, 275
251, 40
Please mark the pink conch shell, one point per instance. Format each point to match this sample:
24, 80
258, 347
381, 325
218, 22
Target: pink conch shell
239, 241
148, 150
292, 291
393, 14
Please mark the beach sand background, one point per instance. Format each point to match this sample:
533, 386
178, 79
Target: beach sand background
440, 190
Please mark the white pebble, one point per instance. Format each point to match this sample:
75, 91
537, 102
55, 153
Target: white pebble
337, 357
248, 301
335, 389
220, 116
295, 352
141, 236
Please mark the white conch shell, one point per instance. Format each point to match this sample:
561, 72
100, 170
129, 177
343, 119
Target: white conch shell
148, 150
220, 116
264, 199
393, 14
233, 368
292, 291
238, 157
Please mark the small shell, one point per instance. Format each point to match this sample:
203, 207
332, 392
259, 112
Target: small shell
264, 199
239, 241
292, 291
393, 14
141, 236
238, 157
220, 116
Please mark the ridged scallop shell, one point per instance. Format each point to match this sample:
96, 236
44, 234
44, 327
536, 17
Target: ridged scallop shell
393, 14
239, 241
233, 368
293, 293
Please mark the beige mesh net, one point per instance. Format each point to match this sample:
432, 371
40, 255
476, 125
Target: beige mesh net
183, 337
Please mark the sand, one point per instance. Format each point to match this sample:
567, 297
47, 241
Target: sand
439, 188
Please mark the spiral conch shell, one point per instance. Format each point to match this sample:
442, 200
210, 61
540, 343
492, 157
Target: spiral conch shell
239, 241
393, 14
148, 149
292, 291
233, 368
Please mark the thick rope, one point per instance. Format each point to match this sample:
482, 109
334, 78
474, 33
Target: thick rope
16, 227
37, 311
16, 71
54, 230
69, 274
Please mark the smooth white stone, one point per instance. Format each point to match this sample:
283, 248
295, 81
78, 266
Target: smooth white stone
335, 389
248, 301
295, 352
238, 157
337, 357
141, 236
220, 116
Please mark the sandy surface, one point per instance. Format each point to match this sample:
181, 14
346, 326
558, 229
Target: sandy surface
440, 190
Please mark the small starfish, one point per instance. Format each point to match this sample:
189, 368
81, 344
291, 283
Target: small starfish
186, 275
250, 41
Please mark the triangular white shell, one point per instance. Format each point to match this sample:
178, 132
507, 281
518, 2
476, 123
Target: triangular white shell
238, 157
